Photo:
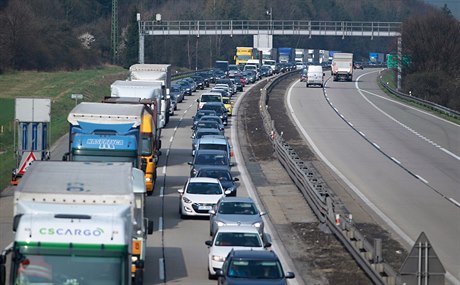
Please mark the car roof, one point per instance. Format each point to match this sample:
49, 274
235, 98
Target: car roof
237, 199
214, 103
254, 254
210, 151
203, 179
211, 140
238, 229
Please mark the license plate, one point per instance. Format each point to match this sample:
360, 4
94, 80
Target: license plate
204, 208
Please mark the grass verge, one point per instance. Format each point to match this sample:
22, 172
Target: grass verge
94, 84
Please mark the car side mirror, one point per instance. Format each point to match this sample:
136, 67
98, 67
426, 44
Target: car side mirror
289, 275
208, 243
181, 191
236, 179
190, 163
212, 212
263, 213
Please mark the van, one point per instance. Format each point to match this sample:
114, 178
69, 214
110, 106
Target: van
315, 75
208, 97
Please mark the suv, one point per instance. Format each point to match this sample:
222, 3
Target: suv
252, 267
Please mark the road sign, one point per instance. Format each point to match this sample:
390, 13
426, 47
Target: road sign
422, 265
30, 158
76, 96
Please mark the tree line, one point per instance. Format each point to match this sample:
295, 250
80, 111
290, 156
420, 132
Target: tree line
51, 35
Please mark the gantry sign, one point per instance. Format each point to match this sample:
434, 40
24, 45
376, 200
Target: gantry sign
265, 28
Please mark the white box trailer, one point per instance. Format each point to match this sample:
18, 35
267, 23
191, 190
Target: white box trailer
155, 73
150, 90
342, 66
79, 221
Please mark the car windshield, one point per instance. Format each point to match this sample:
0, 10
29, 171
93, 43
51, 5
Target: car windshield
238, 239
207, 124
216, 108
255, 269
210, 98
226, 101
213, 146
204, 188
237, 208
211, 159
222, 175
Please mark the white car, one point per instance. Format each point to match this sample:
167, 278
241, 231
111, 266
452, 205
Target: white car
232, 237
199, 196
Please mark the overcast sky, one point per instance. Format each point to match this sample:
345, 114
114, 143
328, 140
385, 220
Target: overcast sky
453, 5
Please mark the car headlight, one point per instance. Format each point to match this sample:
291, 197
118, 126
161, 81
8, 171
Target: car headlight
220, 224
257, 224
186, 200
218, 258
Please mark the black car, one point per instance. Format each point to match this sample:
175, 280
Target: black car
223, 174
206, 77
219, 108
186, 85
252, 267
199, 81
358, 65
209, 157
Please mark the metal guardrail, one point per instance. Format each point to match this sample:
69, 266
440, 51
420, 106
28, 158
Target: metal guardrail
274, 27
324, 204
427, 104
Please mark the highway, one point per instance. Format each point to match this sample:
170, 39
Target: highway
403, 162
176, 252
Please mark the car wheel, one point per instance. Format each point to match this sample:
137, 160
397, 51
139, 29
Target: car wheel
210, 276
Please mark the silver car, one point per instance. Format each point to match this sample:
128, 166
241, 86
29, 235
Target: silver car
235, 211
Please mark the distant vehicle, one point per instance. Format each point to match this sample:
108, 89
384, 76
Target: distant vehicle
228, 103
228, 238
202, 113
315, 75
208, 97
265, 71
192, 82
303, 75
199, 81
342, 66
236, 211
186, 86
358, 65
220, 110
209, 157
177, 91
223, 174
233, 69
214, 142
200, 132
199, 195
228, 82
252, 267
271, 63
222, 65
213, 118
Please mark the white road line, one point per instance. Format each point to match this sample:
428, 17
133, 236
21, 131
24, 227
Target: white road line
361, 133
395, 160
167, 152
450, 153
171, 139
164, 169
160, 224
161, 269
162, 189
422, 179
175, 129
394, 119
454, 201
376, 145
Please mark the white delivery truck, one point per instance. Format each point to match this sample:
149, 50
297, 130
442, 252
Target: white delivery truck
78, 223
155, 73
315, 75
342, 66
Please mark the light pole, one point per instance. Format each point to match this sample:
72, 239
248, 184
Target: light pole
270, 13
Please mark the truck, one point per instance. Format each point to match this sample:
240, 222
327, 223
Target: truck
376, 58
222, 65
342, 66
286, 55
155, 73
300, 58
31, 133
268, 53
100, 132
243, 54
149, 95
86, 225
